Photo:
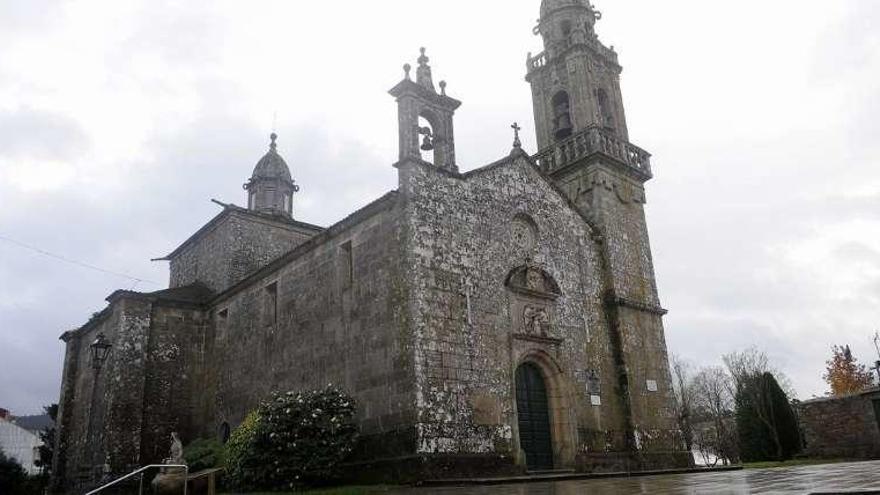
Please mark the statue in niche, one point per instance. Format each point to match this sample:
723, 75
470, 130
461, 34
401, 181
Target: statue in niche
536, 321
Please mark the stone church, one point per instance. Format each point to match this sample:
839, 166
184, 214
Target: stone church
494, 321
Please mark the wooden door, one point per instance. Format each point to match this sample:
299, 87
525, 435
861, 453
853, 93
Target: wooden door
533, 413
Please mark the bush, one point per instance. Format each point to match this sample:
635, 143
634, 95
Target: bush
242, 455
293, 439
203, 454
13, 479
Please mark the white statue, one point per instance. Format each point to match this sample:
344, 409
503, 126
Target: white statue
176, 456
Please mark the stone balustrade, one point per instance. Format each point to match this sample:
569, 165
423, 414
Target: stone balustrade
561, 46
536, 62
592, 140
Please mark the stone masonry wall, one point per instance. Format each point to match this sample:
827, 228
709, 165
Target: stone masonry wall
464, 236
615, 201
237, 245
843, 427
332, 313
101, 420
174, 400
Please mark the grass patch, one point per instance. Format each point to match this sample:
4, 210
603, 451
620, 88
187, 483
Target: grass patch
342, 490
791, 463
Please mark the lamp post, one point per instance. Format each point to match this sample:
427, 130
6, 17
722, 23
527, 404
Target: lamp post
877, 346
99, 349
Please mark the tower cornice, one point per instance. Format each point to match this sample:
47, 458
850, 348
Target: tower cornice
536, 64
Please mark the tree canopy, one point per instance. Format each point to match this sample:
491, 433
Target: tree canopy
844, 374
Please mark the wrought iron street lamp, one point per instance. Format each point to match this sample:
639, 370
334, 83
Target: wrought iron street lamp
99, 350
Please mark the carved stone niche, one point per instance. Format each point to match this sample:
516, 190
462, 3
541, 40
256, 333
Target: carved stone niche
533, 303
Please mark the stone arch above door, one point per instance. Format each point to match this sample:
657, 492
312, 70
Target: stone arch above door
559, 403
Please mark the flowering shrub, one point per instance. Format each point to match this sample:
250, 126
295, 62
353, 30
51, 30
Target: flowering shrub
243, 460
293, 439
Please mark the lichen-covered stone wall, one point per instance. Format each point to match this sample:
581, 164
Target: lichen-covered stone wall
176, 358
101, 419
330, 312
120, 416
464, 237
842, 427
236, 244
614, 200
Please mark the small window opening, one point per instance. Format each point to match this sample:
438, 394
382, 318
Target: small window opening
562, 115
346, 266
271, 303
223, 314
606, 113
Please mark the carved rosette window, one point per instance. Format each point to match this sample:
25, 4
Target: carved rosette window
524, 234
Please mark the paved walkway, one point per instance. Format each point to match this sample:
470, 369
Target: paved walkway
863, 476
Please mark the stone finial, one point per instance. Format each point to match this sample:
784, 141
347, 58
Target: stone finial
273, 146
443, 88
406, 69
423, 73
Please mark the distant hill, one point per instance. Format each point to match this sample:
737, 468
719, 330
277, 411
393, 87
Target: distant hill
35, 423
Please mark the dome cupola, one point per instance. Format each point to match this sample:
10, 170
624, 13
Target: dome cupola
271, 187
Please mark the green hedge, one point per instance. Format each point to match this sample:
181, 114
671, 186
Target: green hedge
204, 454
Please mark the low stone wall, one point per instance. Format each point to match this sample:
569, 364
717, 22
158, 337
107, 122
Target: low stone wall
842, 427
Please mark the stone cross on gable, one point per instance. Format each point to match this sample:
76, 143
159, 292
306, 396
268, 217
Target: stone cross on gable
516, 128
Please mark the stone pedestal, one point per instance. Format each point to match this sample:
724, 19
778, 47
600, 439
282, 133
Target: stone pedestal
169, 481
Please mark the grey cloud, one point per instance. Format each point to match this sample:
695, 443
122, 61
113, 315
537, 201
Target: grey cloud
857, 252
40, 134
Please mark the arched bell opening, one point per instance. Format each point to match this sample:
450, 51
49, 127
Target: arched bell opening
562, 124
427, 136
606, 110
545, 428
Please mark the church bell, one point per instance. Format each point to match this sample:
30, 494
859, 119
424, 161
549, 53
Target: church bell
427, 141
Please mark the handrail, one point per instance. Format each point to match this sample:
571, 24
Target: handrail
141, 470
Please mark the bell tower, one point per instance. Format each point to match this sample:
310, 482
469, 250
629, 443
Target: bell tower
584, 148
425, 117
576, 79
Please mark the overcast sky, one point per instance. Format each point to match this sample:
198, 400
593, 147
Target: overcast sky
120, 120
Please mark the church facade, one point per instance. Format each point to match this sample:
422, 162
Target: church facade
495, 321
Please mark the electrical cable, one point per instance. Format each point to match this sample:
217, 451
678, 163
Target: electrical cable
75, 262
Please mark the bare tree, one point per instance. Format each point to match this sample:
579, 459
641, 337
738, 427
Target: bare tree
754, 362
682, 386
747, 368
713, 402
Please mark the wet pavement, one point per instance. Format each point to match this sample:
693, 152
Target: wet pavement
829, 478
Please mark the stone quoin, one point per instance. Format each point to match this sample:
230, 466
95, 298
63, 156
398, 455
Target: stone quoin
494, 321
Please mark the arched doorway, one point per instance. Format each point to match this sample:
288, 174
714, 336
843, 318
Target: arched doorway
533, 413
